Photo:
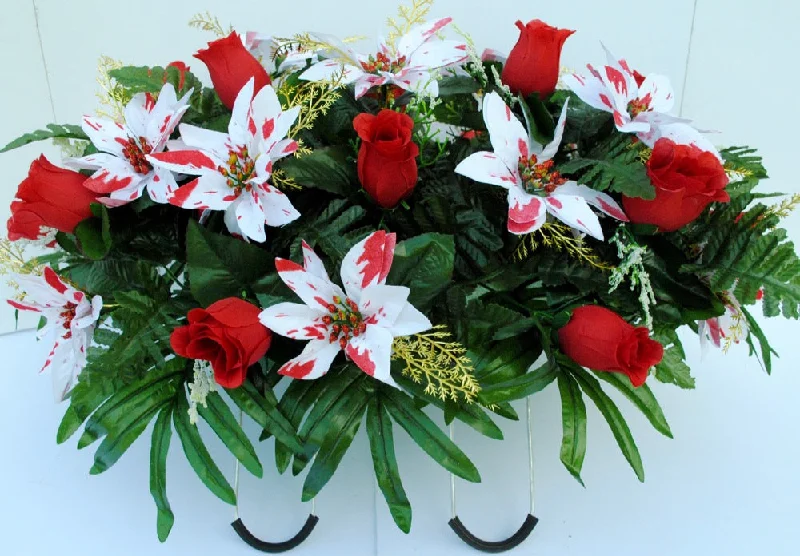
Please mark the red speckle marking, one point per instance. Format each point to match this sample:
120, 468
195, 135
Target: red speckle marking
54, 281
617, 80
181, 196
618, 118
605, 100
314, 332
165, 124
378, 254
285, 265
192, 160
615, 212
268, 128
297, 370
156, 178
104, 182
21, 307
523, 148
92, 124
251, 126
508, 113
363, 359
552, 201
323, 302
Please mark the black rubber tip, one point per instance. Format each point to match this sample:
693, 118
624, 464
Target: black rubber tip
494, 547
275, 547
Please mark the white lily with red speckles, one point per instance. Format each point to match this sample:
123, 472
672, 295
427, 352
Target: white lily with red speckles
525, 168
409, 66
363, 322
640, 105
70, 314
234, 167
123, 171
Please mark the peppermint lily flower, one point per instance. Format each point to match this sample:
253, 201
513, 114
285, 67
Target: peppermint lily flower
363, 322
639, 105
123, 171
70, 314
276, 54
409, 66
724, 330
525, 168
234, 168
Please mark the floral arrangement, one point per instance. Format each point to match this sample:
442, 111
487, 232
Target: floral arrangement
326, 239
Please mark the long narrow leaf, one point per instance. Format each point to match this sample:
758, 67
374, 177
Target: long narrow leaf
345, 420
573, 421
521, 387
427, 435
198, 456
642, 397
221, 420
159, 447
381, 442
264, 412
615, 420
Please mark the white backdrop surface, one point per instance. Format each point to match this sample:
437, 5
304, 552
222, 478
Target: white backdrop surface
726, 485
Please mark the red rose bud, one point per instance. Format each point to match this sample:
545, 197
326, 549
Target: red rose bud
49, 197
535, 60
687, 180
599, 339
231, 66
387, 165
228, 334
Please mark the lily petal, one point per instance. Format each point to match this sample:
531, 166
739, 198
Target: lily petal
575, 213
368, 263
206, 192
296, 321
372, 353
313, 362
315, 291
106, 135
551, 148
312, 263
410, 321
381, 304
486, 167
507, 134
658, 90
601, 201
526, 212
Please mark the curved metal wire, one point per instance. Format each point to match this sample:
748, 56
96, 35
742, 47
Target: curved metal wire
266, 546
530, 520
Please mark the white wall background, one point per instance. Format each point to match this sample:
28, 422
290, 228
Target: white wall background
726, 485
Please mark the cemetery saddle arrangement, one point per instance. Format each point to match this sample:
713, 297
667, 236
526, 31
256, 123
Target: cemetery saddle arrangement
328, 240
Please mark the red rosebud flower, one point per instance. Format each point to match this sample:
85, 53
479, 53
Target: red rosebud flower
535, 60
687, 180
387, 165
231, 66
601, 340
228, 334
49, 197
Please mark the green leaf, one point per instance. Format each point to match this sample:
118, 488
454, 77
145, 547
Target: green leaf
502, 361
754, 330
129, 401
457, 85
345, 420
222, 266
520, 387
540, 122
673, 369
221, 420
326, 168
573, 421
341, 390
264, 411
198, 455
425, 264
381, 443
94, 234
294, 404
151, 79
642, 397
159, 447
614, 418
427, 435
53, 131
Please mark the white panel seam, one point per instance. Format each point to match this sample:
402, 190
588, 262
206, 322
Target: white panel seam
44, 60
688, 58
